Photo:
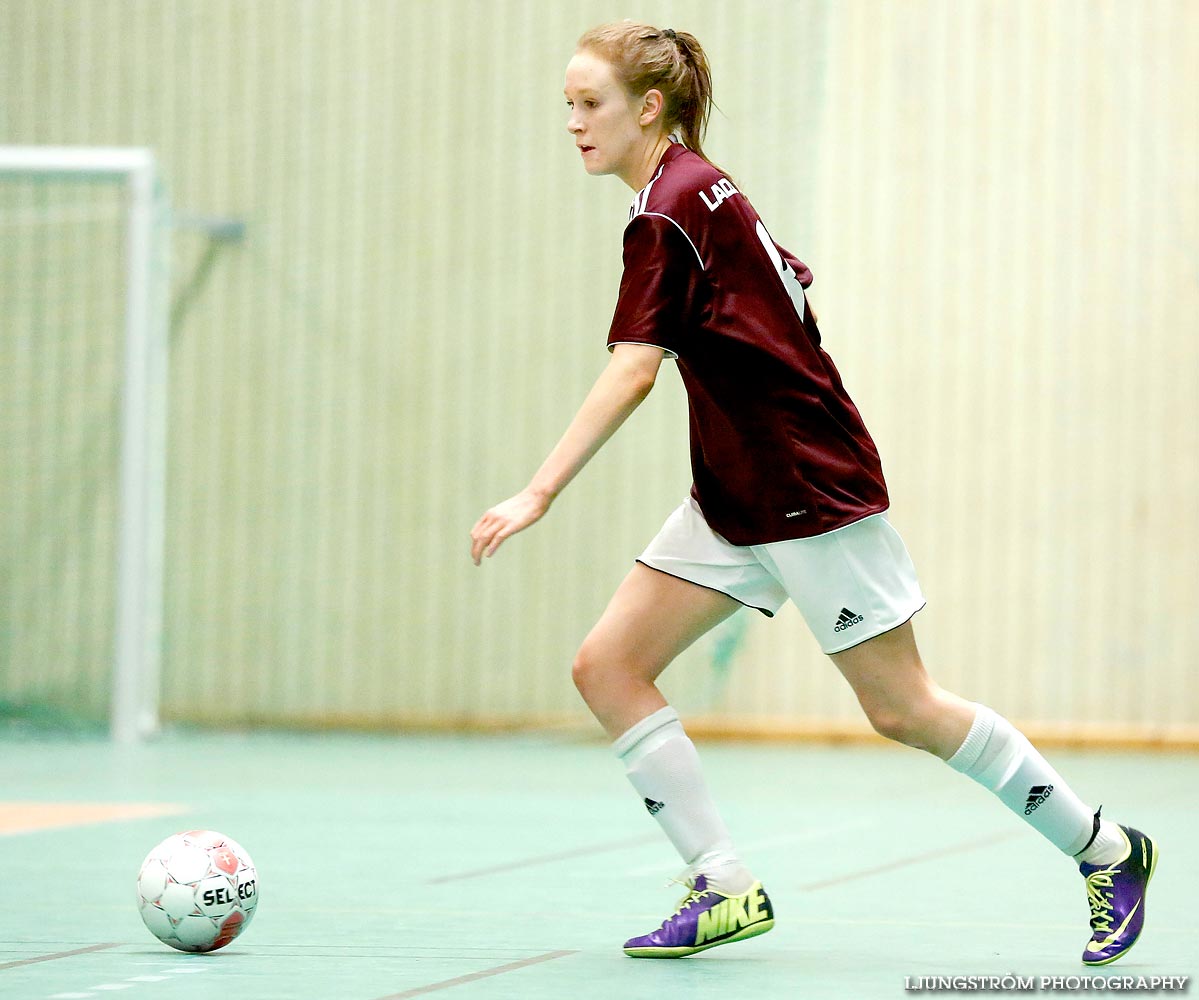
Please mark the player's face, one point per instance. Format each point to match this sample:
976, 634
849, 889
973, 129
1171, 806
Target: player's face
604, 120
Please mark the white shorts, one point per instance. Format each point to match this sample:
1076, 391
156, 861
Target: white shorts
850, 585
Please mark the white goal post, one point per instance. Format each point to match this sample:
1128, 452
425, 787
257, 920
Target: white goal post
138, 572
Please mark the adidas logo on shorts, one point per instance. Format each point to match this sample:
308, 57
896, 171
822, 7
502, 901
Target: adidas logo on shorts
847, 619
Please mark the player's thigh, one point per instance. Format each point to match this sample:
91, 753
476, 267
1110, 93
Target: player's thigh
651, 618
886, 672
902, 702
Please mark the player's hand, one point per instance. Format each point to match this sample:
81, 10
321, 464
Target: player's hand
504, 519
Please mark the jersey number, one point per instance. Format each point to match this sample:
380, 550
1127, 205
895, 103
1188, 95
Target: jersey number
784, 270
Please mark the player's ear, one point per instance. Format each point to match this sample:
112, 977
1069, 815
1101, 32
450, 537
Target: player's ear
652, 106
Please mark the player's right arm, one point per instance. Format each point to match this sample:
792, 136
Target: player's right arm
623, 384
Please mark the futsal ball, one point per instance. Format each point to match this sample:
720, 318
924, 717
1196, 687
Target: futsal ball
197, 891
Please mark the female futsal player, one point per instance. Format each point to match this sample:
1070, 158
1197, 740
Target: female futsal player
788, 501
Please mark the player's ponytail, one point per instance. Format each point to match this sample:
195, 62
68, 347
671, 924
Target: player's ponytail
647, 58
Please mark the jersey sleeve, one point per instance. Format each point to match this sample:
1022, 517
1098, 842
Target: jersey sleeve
658, 287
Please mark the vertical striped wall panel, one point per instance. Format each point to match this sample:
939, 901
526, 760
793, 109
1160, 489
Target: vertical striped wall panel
61, 331
998, 200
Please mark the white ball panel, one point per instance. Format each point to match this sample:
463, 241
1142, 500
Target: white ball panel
196, 932
168, 847
152, 880
178, 900
157, 922
188, 864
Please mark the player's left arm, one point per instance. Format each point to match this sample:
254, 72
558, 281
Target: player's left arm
619, 390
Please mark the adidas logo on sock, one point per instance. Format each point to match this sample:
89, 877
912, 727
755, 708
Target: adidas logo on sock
847, 619
654, 807
1036, 795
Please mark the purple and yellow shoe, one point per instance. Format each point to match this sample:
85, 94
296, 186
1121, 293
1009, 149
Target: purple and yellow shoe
1116, 893
704, 919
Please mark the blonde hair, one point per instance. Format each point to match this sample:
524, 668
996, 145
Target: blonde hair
647, 58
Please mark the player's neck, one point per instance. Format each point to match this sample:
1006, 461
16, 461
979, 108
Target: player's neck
647, 164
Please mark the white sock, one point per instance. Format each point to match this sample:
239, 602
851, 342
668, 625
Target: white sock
663, 766
1109, 845
1000, 758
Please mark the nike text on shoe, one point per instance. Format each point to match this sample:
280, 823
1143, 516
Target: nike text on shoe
1116, 893
704, 919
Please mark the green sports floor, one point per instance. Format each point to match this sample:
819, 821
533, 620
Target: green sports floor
515, 867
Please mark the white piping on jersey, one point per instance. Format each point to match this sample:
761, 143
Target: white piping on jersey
670, 355
642, 197
638, 208
685, 236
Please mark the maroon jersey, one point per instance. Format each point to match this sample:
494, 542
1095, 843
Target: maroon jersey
778, 449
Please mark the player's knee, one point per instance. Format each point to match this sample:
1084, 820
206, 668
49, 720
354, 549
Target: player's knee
904, 724
598, 670
587, 669
888, 723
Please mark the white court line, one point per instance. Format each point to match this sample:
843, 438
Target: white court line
162, 976
178, 970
